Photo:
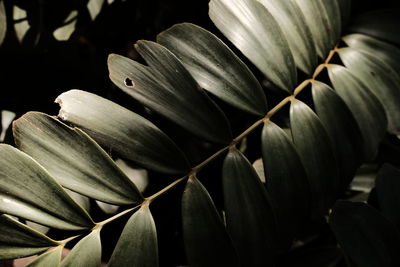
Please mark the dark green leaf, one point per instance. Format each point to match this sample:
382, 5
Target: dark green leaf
50, 258
3, 22
18, 240
382, 24
206, 240
74, 159
130, 135
166, 87
365, 107
315, 151
381, 80
323, 256
320, 25
367, 237
288, 186
387, 186
86, 253
341, 127
293, 24
255, 32
345, 10
215, 67
333, 14
137, 245
27, 190
386, 52
250, 219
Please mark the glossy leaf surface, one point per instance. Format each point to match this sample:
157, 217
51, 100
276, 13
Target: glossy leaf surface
379, 77
87, 252
215, 67
315, 150
28, 191
250, 219
74, 159
286, 179
293, 24
166, 87
341, 127
365, 107
50, 258
206, 241
367, 237
255, 32
18, 240
130, 135
137, 245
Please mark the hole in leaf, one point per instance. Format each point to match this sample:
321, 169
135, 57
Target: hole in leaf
128, 82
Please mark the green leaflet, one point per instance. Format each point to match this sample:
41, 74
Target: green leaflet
74, 159
345, 10
166, 87
382, 24
365, 107
250, 219
18, 240
86, 253
333, 15
286, 180
206, 240
137, 245
293, 24
130, 135
322, 27
315, 150
50, 258
215, 67
254, 31
341, 127
386, 52
387, 186
3, 22
28, 191
381, 80
366, 236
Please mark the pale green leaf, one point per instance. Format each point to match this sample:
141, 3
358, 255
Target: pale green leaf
255, 32
3, 22
205, 238
94, 7
381, 80
247, 203
293, 24
64, 32
363, 104
6, 118
50, 258
74, 159
315, 151
22, 26
27, 190
215, 67
137, 245
86, 253
18, 240
124, 132
138, 176
166, 87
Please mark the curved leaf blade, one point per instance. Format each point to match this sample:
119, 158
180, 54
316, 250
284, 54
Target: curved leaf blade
247, 203
28, 191
254, 31
215, 67
166, 87
18, 240
293, 24
365, 235
381, 80
341, 127
50, 258
205, 238
73, 159
137, 245
130, 135
365, 107
288, 186
3, 22
345, 10
315, 151
87, 252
